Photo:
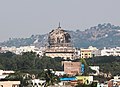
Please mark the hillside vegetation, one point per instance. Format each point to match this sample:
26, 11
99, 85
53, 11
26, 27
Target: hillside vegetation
102, 35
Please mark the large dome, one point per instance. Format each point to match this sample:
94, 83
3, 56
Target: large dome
59, 37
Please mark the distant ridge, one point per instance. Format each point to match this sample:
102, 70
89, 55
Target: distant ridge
102, 35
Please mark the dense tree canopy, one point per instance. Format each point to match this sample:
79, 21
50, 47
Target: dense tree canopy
28, 61
107, 64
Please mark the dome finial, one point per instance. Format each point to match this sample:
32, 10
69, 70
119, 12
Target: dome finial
59, 25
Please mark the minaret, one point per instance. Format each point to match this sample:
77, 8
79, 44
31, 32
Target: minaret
59, 25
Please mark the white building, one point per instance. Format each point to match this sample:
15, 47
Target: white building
59, 73
11, 49
27, 49
95, 51
22, 49
96, 68
3, 73
37, 83
110, 51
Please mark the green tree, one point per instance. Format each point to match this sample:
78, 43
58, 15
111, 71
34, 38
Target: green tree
18, 76
50, 77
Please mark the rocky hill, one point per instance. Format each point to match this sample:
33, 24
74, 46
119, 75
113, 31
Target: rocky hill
102, 35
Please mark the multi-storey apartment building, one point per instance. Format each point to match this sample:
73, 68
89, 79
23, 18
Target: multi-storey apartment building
89, 52
110, 51
22, 49
86, 53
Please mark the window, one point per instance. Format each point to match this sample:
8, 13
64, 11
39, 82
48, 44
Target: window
35, 83
31, 83
39, 84
1, 85
13, 85
85, 54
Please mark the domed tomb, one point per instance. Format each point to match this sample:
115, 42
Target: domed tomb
60, 44
59, 37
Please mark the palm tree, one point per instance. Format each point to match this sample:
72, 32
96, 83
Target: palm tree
50, 77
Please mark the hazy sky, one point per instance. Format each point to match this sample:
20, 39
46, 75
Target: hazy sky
22, 18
